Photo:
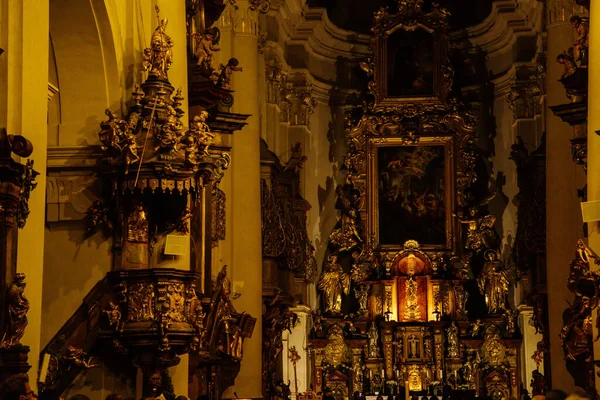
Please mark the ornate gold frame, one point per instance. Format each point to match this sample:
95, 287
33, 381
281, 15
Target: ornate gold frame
373, 198
410, 17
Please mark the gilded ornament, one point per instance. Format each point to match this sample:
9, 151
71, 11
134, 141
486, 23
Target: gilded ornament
412, 312
333, 283
219, 215
18, 306
461, 296
362, 295
114, 315
346, 237
337, 351
200, 131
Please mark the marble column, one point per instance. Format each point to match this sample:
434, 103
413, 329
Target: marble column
24, 98
245, 177
563, 211
593, 145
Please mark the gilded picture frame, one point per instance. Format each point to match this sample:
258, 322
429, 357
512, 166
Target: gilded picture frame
413, 196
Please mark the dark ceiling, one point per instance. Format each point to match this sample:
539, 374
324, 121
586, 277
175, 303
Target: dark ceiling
357, 15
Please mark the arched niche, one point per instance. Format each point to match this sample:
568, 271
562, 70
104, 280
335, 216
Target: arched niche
86, 69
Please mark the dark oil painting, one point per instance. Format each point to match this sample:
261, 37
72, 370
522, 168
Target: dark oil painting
411, 195
410, 64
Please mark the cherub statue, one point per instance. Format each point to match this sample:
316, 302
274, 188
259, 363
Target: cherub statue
333, 283
75, 357
114, 315
159, 56
566, 58
206, 45
582, 42
493, 283
224, 80
171, 132
480, 232
191, 150
199, 129
18, 306
297, 160
113, 131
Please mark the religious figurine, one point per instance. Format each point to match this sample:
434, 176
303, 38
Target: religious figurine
346, 236
159, 56
350, 328
468, 371
297, 160
373, 336
96, 215
183, 226
336, 352
509, 317
362, 295
427, 348
224, 80
75, 357
191, 150
480, 232
461, 296
582, 42
206, 45
114, 315
476, 328
171, 131
113, 132
493, 283
412, 300
130, 151
333, 283
453, 351
201, 132
317, 320
566, 58
137, 225
413, 347
18, 306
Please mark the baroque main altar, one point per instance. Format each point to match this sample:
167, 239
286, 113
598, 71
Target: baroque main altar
414, 288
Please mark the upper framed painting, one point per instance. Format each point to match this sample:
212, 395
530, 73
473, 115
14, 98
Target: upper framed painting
410, 55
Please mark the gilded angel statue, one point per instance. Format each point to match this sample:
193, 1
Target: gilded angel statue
333, 282
493, 283
346, 236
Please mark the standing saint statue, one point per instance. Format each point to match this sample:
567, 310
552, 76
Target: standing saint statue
373, 336
493, 283
18, 305
159, 56
333, 282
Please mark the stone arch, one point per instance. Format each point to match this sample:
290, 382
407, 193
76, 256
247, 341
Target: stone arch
83, 49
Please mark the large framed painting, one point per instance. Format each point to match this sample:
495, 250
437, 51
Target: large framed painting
411, 192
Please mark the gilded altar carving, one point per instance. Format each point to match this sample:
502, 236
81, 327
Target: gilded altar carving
273, 234
452, 339
336, 352
137, 225
159, 56
140, 302
493, 351
18, 306
373, 337
334, 281
219, 215
346, 236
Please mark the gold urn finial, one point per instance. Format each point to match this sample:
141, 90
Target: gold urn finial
159, 56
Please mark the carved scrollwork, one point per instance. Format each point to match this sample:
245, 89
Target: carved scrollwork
219, 215
273, 234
